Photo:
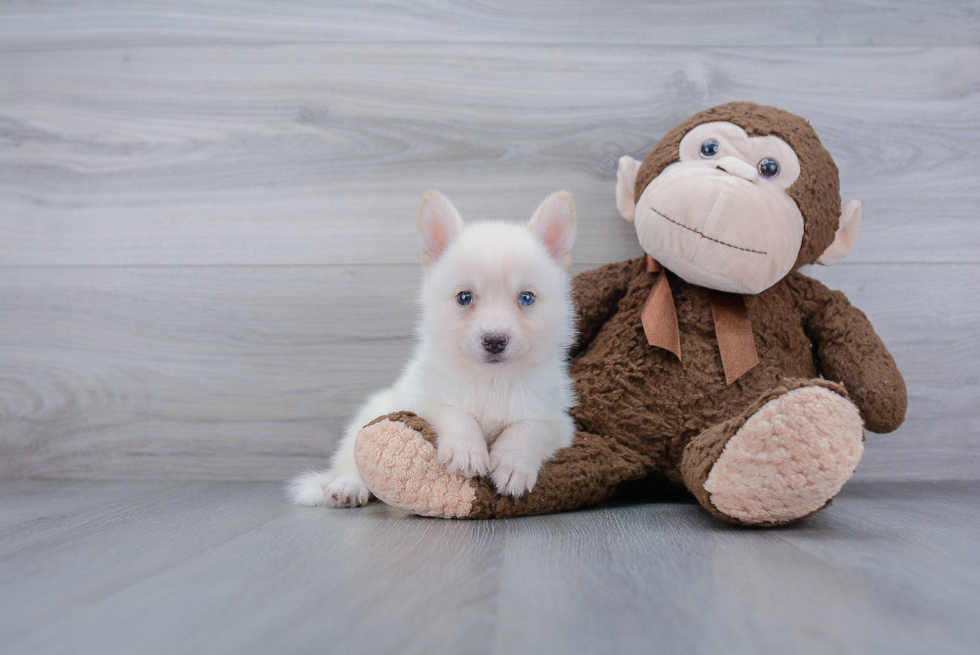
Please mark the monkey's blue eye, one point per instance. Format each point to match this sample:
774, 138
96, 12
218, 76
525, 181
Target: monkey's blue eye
464, 298
769, 167
710, 148
526, 298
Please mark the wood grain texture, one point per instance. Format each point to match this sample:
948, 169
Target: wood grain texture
305, 154
207, 249
232, 568
213, 372
251, 372
95, 23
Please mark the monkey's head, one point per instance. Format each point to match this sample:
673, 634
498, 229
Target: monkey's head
736, 197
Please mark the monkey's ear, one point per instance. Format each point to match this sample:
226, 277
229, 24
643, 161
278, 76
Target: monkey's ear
625, 185
847, 233
439, 224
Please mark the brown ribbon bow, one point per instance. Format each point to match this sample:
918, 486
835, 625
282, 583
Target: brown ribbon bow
733, 327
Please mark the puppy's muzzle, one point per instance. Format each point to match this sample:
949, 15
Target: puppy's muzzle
494, 343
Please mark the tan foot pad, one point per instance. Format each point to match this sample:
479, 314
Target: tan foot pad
401, 469
789, 458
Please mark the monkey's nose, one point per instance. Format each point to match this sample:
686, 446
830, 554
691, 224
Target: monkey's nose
737, 167
494, 343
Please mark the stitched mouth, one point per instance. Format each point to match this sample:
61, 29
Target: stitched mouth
705, 236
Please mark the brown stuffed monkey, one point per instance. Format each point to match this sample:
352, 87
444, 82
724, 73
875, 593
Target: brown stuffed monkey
710, 364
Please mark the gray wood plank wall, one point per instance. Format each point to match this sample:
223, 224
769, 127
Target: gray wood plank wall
207, 209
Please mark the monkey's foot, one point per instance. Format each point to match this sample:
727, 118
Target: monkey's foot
784, 461
396, 457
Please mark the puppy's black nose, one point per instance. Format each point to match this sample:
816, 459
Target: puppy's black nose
494, 343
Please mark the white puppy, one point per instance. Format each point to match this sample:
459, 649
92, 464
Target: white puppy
490, 369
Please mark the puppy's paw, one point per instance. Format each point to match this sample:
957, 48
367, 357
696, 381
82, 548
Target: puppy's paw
346, 491
327, 489
514, 474
469, 458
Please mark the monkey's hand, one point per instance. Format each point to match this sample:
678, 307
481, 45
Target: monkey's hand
849, 351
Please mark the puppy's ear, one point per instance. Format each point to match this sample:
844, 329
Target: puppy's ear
439, 224
554, 224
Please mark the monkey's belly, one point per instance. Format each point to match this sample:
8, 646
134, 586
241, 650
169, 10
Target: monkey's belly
645, 398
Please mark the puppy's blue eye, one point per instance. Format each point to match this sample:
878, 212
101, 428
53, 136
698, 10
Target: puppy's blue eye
464, 298
710, 148
526, 298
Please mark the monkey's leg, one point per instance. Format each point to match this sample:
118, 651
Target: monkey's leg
396, 457
783, 459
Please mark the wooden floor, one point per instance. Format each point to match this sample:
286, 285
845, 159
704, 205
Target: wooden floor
224, 567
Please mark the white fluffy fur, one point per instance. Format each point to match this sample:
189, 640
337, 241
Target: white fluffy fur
499, 418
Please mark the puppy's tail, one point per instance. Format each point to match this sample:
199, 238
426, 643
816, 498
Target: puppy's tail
307, 488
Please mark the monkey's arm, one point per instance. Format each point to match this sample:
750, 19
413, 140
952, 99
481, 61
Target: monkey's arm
597, 294
848, 350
